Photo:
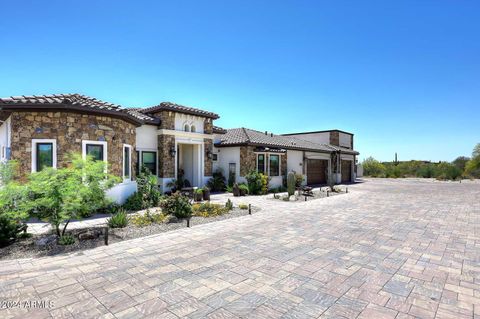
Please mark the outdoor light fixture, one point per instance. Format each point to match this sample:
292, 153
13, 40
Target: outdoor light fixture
173, 151
209, 154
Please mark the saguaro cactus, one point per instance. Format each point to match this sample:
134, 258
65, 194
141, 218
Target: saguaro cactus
291, 183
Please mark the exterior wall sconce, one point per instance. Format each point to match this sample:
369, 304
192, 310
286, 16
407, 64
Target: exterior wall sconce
173, 151
209, 154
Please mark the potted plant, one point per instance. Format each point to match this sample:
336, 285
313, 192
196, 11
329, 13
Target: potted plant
243, 189
198, 195
206, 193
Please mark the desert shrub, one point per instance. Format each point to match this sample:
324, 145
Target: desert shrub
243, 206
146, 219
208, 209
229, 204
217, 182
10, 230
279, 189
66, 240
148, 189
244, 188
8, 171
118, 220
134, 202
447, 171
373, 168
460, 162
257, 183
177, 205
59, 195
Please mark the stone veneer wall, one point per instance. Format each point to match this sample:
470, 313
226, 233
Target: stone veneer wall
208, 163
166, 167
208, 126
248, 159
283, 164
335, 138
167, 119
69, 129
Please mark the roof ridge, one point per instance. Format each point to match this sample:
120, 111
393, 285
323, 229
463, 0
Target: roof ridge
246, 134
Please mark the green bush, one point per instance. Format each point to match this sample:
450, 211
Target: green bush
243, 206
10, 230
134, 202
244, 188
177, 205
373, 168
66, 240
217, 182
118, 220
208, 209
257, 183
447, 171
147, 187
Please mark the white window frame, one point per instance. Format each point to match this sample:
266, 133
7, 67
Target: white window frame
34, 152
129, 178
105, 149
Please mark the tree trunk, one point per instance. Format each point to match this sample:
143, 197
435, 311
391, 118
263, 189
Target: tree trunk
65, 227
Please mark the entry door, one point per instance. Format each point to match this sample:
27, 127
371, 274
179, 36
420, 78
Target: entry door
346, 171
316, 171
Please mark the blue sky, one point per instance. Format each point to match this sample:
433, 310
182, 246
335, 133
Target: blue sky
404, 76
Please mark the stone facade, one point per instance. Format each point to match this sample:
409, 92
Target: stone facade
335, 138
208, 162
167, 119
248, 159
208, 126
283, 164
166, 162
69, 129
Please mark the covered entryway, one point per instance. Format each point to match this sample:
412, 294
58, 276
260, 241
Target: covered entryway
189, 164
346, 171
317, 171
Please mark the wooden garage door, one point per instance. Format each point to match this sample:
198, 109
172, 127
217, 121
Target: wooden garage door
316, 171
346, 171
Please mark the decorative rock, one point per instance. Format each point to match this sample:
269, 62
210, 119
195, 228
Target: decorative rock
89, 234
45, 241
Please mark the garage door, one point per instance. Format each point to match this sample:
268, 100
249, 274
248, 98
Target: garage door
346, 171
316, 171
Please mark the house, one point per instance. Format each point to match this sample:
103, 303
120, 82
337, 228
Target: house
172, 140
319, 160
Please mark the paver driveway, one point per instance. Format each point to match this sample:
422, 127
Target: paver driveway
389, 249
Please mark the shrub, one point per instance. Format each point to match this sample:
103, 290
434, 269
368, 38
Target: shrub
134, 202
243, 189
243, 206
254, 181
66, 240
217, 182
148, 188
373, 168
118, 220
8, 171
229, 204
447, 171
231, 178
177, 205
279, 189
291, 183
208, 209
298, 180
10, 230
146, 219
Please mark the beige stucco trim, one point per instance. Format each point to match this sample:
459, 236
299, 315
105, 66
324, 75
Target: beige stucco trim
184, 134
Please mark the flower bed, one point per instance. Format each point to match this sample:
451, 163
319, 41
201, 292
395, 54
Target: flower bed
138, 226
300, 196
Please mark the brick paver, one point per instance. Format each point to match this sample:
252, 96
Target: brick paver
388, 249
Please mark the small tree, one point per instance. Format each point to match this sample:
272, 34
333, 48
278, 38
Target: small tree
148, 188
59, 195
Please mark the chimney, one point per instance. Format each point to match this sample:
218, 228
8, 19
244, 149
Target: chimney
271, 134
266, 133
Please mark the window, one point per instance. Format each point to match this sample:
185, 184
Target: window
215, 157
193, 129
186, 128
44, 154
274, 165
149, 160
96, 149
261, 163
137, 164
127, 162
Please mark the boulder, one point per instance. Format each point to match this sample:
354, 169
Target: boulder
89, 234
45, 241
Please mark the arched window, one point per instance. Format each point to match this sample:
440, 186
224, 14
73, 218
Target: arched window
192, 129
186, 128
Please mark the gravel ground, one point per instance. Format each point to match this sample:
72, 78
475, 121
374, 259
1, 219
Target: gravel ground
301, 198
26, 248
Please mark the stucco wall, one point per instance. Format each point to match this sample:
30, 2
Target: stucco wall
345, 140
69, 129
182, 119
5, 138
321, 138
146, 137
